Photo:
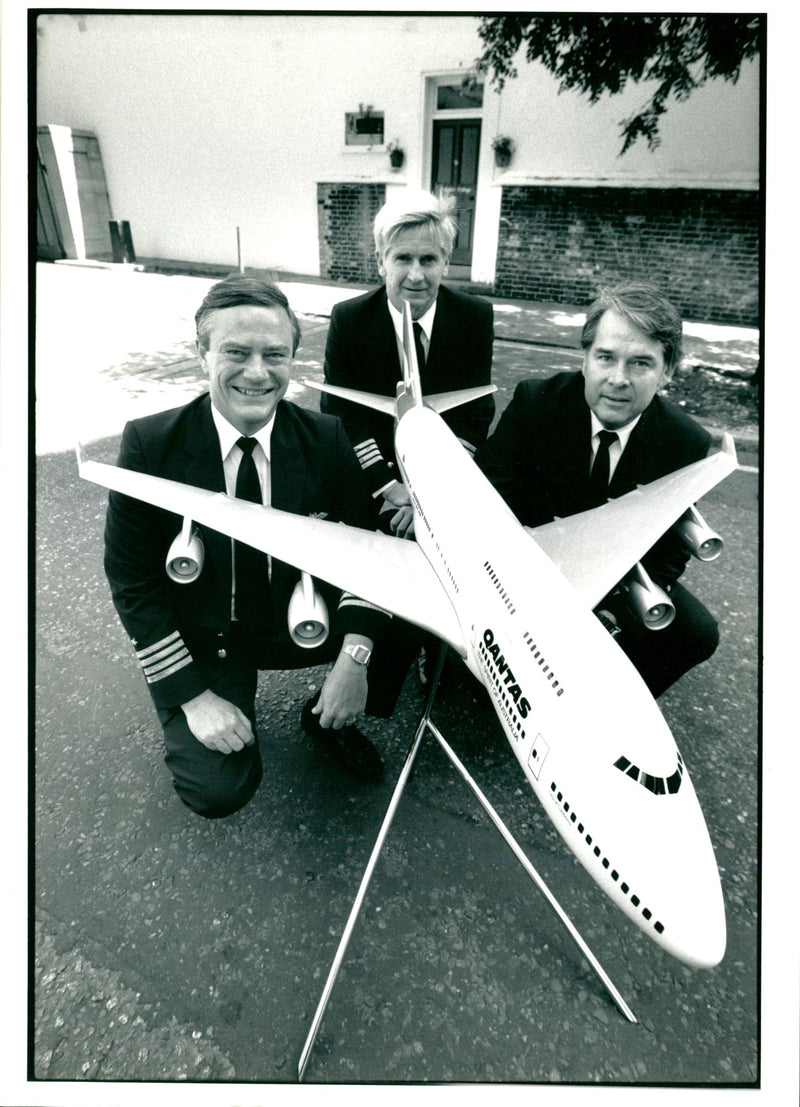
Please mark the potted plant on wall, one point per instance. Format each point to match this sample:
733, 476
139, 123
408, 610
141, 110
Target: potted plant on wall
396, 154
503, 147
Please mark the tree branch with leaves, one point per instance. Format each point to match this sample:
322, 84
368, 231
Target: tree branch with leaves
601, 54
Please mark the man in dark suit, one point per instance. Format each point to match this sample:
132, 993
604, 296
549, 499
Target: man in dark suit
413, 240
569, 443
200, 644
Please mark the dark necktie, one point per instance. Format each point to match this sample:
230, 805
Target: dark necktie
252, 566
419, 348
598, 478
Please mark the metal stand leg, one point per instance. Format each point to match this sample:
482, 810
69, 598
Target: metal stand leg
373, 858
426, 724
532, 873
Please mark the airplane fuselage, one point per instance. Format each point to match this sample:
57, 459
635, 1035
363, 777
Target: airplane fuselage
580, 720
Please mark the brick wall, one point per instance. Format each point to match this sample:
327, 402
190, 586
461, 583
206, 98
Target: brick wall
346, 213
702, 247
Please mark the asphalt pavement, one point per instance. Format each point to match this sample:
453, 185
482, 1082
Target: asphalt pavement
167, 948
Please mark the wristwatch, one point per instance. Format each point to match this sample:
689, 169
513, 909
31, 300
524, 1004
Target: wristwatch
360, 654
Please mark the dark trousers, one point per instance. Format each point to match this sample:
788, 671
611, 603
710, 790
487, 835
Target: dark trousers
662, 656
215, 784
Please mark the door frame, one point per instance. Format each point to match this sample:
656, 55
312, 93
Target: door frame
431, 82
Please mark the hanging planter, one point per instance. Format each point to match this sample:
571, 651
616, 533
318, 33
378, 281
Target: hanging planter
503, 147
396, 154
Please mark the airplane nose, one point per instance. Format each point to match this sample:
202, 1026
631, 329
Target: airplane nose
702, 945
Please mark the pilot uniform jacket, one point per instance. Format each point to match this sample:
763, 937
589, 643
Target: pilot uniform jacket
539, 458
361, 353
174, 625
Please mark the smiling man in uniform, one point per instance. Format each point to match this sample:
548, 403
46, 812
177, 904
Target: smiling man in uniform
201, 643
575, 440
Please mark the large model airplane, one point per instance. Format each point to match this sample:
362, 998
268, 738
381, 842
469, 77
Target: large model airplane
517, 606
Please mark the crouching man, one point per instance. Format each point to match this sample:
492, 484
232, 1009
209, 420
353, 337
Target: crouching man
201, 644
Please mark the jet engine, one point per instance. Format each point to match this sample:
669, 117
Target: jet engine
186, 555
308, 614
651, 603
701, 540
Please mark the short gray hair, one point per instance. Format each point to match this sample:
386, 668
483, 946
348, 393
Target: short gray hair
417, 208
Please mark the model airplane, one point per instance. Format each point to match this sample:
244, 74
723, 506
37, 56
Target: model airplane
516, 605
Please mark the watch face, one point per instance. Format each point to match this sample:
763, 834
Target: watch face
359, 653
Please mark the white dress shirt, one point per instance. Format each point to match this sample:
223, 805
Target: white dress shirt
231, 456
615, 450
425, 321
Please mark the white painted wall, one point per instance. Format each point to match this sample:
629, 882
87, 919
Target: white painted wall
708, 141
207, 123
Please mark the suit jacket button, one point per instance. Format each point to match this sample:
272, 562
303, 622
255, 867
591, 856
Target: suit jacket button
222, 653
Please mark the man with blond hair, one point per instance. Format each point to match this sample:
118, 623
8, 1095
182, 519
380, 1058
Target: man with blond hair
414, 239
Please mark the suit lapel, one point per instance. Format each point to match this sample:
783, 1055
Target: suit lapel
288, 486
288, 477
636, 464
578, 444
202, 461
441, 335
202, 451
386, 358
569, 431
381, 358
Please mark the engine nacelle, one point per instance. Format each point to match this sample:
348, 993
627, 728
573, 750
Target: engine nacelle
651, 603
186, 555
702, 542
308, 614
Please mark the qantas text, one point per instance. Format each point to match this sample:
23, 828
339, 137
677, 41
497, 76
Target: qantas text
504, 673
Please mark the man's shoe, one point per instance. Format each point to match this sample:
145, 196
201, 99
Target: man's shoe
609, 621
422, 667
353, 749
427, 660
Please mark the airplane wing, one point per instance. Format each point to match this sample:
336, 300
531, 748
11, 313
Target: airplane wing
391, 573
596, 548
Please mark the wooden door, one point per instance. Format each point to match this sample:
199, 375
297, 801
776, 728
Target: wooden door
456, 144
95, 208
72, 190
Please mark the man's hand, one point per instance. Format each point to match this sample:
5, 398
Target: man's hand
402, 522
344, 693
217, 723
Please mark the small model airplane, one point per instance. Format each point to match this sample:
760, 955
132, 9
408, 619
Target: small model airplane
517, 606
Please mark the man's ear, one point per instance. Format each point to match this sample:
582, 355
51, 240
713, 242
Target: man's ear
668, 374
201, 353
381, 266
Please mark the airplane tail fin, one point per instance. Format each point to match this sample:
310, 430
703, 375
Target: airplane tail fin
409, 392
